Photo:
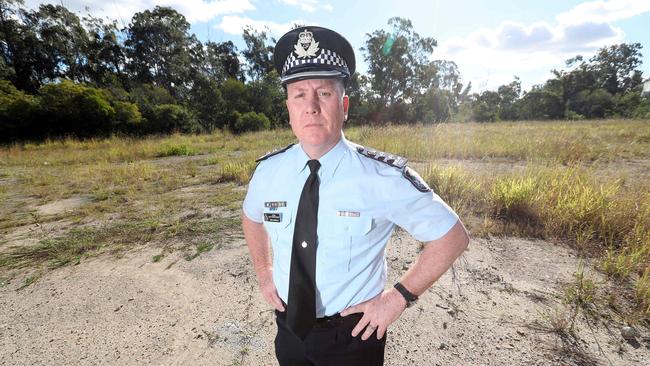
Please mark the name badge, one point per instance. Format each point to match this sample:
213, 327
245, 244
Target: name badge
348, 213
273, 217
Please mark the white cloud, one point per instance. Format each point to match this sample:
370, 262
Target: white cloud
123, 10
492, 54
603, 11
309, 6
235, 25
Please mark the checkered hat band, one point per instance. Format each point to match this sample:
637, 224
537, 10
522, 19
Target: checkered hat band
326, 57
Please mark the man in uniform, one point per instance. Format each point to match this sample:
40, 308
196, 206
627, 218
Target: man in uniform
328, 207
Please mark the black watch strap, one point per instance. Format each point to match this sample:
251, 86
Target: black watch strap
408, 296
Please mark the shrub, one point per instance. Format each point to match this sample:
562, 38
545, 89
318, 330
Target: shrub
251, 121
69, 108
17, 112
172, 117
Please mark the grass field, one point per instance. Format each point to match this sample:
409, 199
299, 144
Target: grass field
580, 183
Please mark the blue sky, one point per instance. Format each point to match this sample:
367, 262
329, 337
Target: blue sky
491, 41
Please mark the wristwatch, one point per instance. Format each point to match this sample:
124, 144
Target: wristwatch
408, 296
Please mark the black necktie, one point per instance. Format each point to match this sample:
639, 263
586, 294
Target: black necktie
301, 307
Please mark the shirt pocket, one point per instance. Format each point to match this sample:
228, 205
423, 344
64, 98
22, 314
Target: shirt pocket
351, 226
279, 231
339, 236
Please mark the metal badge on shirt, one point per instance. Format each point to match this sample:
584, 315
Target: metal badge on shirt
273, 205
348, 213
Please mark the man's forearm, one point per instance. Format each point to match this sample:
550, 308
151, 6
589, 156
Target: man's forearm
258, 246
435, 259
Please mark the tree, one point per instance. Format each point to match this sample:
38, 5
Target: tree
508, 96
540, 104
105, 55
63, 40
596, 103
486, 106
25, 60
258, 55
160, 51
221, 61
397, 61
616, 67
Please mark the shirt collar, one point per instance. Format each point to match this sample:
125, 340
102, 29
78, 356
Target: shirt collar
329, 162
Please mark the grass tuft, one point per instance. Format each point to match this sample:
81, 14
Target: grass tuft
237, 172
176, 150
200, 248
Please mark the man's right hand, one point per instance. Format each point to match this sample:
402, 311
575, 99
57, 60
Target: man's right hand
270, 293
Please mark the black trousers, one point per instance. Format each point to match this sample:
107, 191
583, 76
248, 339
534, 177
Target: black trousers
330, 342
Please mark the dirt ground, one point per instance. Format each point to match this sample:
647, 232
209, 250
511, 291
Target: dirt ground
493, 309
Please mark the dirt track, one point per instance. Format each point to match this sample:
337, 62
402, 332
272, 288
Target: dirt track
208, 312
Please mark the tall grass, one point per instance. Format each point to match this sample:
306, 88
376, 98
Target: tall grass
568, 204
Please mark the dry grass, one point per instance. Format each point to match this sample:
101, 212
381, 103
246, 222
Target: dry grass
579, 182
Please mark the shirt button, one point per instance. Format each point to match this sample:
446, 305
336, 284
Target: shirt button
304, 244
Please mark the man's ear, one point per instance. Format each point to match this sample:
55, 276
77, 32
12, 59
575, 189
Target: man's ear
346, 105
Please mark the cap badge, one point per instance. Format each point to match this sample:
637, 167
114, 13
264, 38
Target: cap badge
306, 45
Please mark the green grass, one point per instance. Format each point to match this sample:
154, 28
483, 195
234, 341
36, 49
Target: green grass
176, 150
200, 249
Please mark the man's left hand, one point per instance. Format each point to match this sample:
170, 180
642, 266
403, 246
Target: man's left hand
378, 313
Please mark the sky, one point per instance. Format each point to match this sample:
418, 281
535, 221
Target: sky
490, 41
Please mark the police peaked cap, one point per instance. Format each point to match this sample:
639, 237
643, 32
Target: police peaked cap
313, 53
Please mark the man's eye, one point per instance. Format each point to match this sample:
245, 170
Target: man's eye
299, 95
324, 93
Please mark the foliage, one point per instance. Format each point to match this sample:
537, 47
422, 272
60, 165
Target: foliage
66, 75
251, 121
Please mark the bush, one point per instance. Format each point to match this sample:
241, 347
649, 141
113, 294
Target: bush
251, 121
17, 112
172, 117
593, 104
127, 116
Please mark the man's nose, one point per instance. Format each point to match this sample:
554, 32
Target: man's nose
313, 104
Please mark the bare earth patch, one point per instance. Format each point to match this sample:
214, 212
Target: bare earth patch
208, 312
62, 206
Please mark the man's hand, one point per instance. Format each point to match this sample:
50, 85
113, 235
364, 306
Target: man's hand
269, 292
378, 313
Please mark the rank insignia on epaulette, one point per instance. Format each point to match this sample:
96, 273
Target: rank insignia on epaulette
416, 180
390, 159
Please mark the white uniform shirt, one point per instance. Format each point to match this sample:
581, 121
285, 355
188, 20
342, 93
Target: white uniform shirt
360, 202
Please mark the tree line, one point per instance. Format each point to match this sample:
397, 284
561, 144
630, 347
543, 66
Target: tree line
62, 74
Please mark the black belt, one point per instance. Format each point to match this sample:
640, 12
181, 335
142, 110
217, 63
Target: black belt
327, 319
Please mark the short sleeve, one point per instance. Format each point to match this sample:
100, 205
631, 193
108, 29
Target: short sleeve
424, 215
253, 202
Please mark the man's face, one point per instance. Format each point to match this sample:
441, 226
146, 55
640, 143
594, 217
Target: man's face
317, 109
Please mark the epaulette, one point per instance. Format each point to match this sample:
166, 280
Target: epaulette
273, 153
397, 162
386, 158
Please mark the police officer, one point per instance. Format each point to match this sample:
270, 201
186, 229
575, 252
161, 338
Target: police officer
328, 207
